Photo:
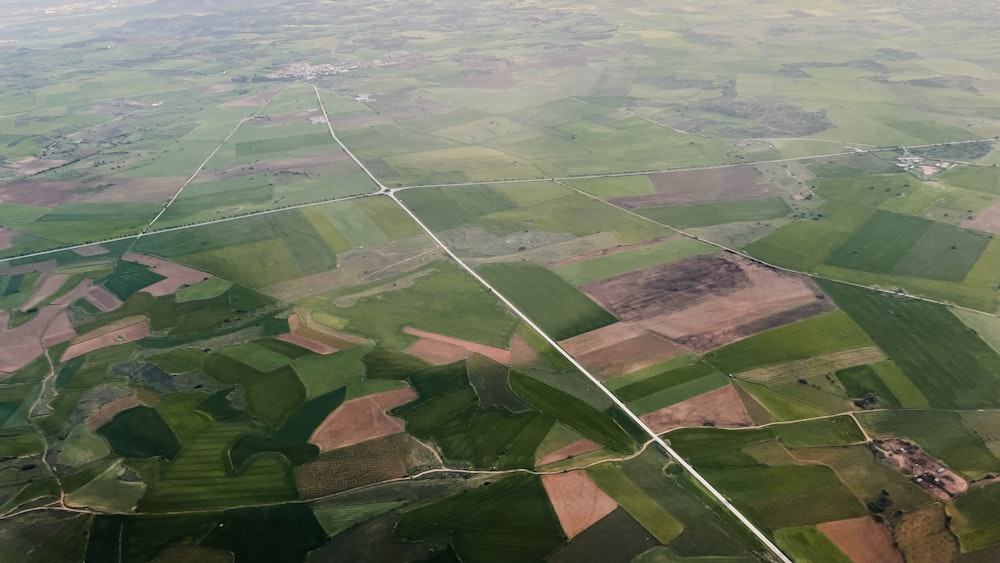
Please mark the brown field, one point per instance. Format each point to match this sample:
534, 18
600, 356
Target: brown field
50, 326
579, 447
721, 407
521, 353
620, 348
704, 302
40, 193
986, 219
6, 238
90, 250
440, 349
927, 473
108, 411
257, 100
214, 88
48, 286
303, 114
697, 186
103, 299
307, 343
305, 329
923, 536
138, 190
177, 275
863, 540
33, 165
608, 251
126, 330
578, 502
47, 266
358, 465
803, 369
362, 419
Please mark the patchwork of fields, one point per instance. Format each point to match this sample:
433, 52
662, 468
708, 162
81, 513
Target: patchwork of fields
256, 269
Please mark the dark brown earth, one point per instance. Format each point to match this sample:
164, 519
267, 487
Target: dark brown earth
701, 186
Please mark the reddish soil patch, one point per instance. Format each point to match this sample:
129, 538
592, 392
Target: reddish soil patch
252, 101
103, 299
362, 419
297, 164
305, 332
927, 473
437, 353
103, 337
608, 251
620, 348
697, 186
50, 284
177, 275
108, 411
32, 165
578, 502
91, 250
579, 447
435, 342
139, 190
521, 353
863, 540
49, 327
986, 219
721, 407
40, 193
307, 343
704, 302
6, 238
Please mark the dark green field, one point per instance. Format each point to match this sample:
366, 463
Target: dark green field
560, 309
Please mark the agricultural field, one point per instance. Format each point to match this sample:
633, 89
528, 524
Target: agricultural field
632, 282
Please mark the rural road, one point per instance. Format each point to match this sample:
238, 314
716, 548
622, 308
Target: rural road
771, 546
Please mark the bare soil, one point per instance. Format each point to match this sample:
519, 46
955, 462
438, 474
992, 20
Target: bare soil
103, 299
40, 193
578, 502
33, 165
177, 275
49, 327
721, 408
90, 250
108, 411
307, 343
577, 448
102, 338
521, 353
139, 190
305, 329
863, 540
986, 219
924, 537
48, 286
702, 186
927, 473
704, 302
362, 419
498, 355
620, 348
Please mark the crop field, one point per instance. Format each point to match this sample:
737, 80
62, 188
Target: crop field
224, 337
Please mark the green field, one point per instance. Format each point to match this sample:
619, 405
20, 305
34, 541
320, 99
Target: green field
445, 208
705, 214
827, 333
559, 308
950, 365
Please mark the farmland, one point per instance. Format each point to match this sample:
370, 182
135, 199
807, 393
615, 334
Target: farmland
257, 265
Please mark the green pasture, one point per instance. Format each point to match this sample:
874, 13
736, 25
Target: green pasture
560, 309
704, 214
